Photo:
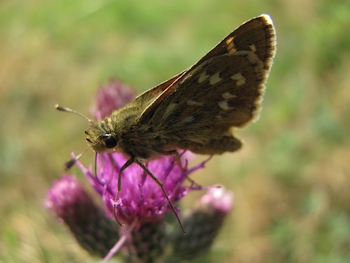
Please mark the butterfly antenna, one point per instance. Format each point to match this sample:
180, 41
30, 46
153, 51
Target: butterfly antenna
72, 161
61, 108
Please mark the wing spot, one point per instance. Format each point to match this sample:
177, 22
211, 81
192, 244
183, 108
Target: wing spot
224, 105
169, 109
227, 95
203, 77
187, 119
258, 66
230, 46
192, 102
240, 80
215, 78
252, 48
219, 117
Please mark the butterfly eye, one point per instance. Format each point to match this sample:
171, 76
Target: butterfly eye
109, 140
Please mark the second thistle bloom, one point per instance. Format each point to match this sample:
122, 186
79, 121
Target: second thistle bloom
113, 95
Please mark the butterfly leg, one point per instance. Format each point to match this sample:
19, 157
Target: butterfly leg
178, 160
155, 179
126, 165
177, 155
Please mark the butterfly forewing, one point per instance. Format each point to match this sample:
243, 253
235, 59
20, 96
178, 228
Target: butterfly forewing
232, 100
151, 95
256, 35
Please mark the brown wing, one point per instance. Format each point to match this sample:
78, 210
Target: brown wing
256, 35
224, 91
134, 109
150, 95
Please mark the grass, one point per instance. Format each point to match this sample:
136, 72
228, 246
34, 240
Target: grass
291, 180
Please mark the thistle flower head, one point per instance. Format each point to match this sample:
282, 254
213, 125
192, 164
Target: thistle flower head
95, 232
218, 200
111, 96
64, 195
203, 224
140, 197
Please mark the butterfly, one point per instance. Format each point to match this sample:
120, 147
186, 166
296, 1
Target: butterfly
197, 109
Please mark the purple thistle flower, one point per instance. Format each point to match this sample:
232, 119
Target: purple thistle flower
90, 226
140, 198
218, 201
203, 224
111, 96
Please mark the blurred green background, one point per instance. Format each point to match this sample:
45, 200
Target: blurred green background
292, 178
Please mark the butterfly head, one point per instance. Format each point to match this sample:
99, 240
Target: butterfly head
101, 136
